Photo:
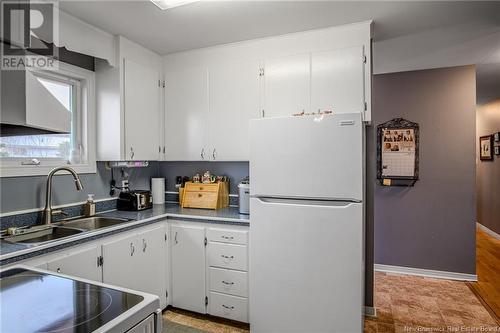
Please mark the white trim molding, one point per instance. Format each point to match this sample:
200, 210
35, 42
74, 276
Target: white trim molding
425, 272
11, 167
488, 231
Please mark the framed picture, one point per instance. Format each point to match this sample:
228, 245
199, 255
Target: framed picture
486, 148
497, 150
496, 136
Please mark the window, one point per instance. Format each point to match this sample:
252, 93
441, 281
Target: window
71, 90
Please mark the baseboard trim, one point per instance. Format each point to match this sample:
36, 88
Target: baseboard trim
425, 272
370, 311
488, 231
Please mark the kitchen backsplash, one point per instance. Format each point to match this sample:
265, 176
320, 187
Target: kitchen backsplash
236, 171
28, 193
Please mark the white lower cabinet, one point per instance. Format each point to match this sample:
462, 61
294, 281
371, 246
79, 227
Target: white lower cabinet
209, 268
137, 262
83, 263
188, 267
227, 261
228, 256
152, 262
228, 306
120, 262
228, 281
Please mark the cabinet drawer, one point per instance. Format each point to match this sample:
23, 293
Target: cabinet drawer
202, 187
227, 256
231, 307
229, 281
227, 236
200, 199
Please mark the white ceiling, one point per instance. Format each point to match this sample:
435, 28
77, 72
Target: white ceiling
408, 35
208, 23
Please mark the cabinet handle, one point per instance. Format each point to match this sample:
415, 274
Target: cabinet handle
227, 257
228, 307
175, 238
200, 195
227, 237
228, 283
214, 154
144, 245
202, 154
132, 153
132, 249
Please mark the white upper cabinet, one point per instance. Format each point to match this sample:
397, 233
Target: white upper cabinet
186, 112
128, 100
286, 87
234, 100
337, 80
142, 111
212, 93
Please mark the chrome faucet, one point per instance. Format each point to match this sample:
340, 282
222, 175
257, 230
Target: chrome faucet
47, 211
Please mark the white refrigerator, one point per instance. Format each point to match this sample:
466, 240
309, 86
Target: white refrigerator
307, 224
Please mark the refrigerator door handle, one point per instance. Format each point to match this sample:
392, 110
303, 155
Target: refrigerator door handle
308, 202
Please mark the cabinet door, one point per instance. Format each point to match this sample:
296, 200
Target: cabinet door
142, 112
234, 100
188, 268
287, 85
81, 263
120, 258
152, 253
337, 80
186, 111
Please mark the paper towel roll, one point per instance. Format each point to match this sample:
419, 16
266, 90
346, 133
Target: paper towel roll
158, 190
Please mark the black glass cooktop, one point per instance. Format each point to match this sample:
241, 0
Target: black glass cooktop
38, 302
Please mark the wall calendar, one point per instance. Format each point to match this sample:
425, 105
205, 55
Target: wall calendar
397, 152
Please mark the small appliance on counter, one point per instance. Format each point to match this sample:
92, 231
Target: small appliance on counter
244, 196
134, 200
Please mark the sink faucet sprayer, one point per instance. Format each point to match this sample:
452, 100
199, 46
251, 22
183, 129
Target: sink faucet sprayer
48, 212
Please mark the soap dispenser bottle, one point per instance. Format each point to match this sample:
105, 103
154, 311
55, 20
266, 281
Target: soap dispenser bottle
90, 206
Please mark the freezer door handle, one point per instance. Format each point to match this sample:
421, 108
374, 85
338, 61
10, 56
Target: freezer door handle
308, 202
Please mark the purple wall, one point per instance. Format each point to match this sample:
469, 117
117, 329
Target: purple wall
430, 225
488, 172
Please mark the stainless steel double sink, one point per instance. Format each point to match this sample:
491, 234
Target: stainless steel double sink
37, 235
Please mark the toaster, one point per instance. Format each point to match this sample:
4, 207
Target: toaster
134, 200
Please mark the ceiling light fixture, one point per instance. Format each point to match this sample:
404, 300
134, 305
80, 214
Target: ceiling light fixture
167, 4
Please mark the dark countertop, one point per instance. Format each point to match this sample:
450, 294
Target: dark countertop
229, 214
10, 253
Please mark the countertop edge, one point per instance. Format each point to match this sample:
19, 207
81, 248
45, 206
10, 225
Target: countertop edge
88, 236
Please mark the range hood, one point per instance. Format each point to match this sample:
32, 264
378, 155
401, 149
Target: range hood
28, 108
